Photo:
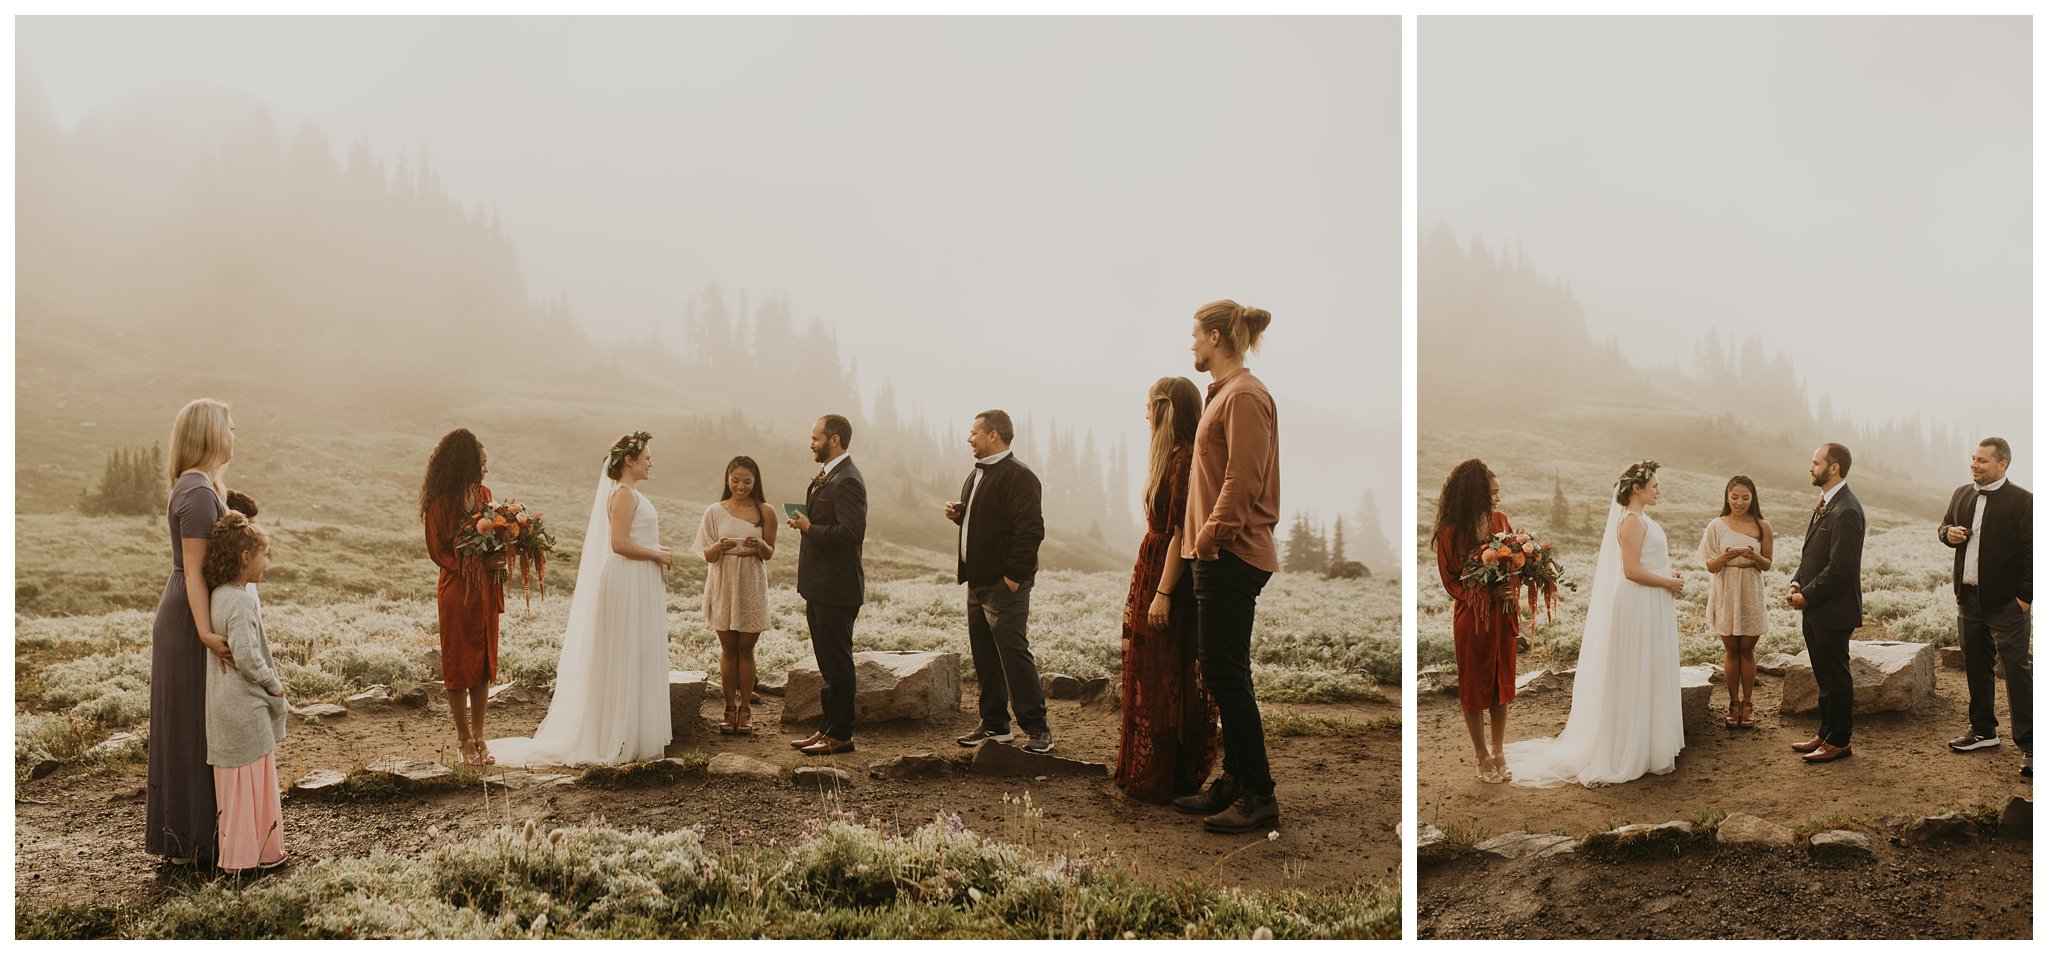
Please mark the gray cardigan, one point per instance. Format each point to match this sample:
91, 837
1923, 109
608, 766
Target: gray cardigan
245, 706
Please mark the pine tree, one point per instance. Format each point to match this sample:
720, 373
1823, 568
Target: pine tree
1560, 511
1337, 541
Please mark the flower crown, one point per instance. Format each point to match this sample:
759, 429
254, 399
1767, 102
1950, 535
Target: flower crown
1637, 473
629, 446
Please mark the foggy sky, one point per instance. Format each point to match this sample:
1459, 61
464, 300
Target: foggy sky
1017, 213
1855, 190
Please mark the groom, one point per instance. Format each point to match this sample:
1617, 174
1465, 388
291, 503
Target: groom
829, 578
1828, 592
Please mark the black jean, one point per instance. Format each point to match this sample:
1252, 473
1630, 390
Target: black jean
1226, 597
1004, 668
832, 644
2000, 634
1829, 651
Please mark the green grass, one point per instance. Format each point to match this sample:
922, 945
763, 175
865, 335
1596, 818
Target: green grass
842, 880
1834, 820
1298, 724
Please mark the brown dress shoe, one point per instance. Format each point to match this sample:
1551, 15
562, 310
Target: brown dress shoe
827, 746
1827, 753
1222, 791
1251, 811
806, 741
1810, 745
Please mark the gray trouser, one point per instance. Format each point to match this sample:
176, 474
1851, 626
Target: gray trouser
1003, 664
2001, 634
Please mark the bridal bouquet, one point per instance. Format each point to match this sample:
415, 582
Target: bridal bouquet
1515, 558
517, 533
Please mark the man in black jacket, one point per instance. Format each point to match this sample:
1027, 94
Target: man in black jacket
1990, 524
1828, 592
1001, 525
829, 577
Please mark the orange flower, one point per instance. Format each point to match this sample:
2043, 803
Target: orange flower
483, 525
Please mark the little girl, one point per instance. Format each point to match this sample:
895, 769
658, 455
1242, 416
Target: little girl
245, 705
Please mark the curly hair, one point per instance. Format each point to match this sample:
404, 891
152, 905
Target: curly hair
1635, 476
237, 501
1465, 504
453, 471
235, 537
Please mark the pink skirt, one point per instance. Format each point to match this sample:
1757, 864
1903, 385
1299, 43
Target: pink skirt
251, 814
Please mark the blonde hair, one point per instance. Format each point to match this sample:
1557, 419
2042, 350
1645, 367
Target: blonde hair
1176, 409
1241, 325
200, 441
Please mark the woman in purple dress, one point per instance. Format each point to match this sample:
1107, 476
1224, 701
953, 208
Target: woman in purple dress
180, 800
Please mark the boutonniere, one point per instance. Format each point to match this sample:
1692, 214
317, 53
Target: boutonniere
1820, 511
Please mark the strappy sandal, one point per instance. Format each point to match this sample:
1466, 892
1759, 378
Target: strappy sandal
470, 750
1748, 721
1734, 718
730, 725
1500, 768
743, 720
1486, 773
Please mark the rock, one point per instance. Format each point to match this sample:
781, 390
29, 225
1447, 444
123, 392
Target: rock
1641, 836
1437, 680
1108, 697
375, 694
1889, 676
823, 777
112, 745
1521, 845
1346, 570
1695, 696
770, 684
733, 764
412, 770
430, 658
1935, 830
1429, 838
686, 689
321, 711
1776, 664
912, 766
1543, 681
998, 759
887, 686
1952, 658
2017, 818
44, 768
413, 696
509, 692
319, 781
520, 779
1744, 831
1059, 686
1092, 690
1838, 844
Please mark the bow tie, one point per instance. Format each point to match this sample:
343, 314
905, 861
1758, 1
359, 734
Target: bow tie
1986, 490
978, 466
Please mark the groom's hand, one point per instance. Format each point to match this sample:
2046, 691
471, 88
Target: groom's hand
802, 522
1797, 600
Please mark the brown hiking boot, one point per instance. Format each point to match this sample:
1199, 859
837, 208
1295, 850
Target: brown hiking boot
1222, 791
1250, 811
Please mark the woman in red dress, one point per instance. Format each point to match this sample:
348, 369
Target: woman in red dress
469, 600
1466, 514
1168, 742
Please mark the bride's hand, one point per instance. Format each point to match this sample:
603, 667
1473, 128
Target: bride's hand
1677, 584
666, 558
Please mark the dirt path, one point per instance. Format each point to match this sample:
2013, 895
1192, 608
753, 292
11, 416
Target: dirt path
78, 835
1901, 765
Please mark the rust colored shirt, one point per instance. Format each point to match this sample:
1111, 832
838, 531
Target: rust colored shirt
1234, 485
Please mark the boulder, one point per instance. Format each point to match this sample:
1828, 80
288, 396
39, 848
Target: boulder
412, 770
686, 689
1522, 845
1952, 658
1102, 694
1346, 570
1092, 690
1775, 664
1889, 676
1695, 696
112, 745
321, 711
413, 696
1543, 681
509, 692
319, 781
887, 686
44, 768
1936, 830
1744, 831
430, 659
520, 779
375, 694
910, 766
770, 684
2017, 818
823, 777
746, 767
1437, 680
1429, 838
1059, 686
1641, 835
1840, 844
998, 759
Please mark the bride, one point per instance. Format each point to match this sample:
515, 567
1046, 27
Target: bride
611, 686
1626, 719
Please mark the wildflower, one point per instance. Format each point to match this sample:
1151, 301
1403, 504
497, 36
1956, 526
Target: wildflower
1272, 835
974, 893
1262, 934
527, 831
540, 926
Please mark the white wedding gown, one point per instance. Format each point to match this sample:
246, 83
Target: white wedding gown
1626, 718
611, 687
